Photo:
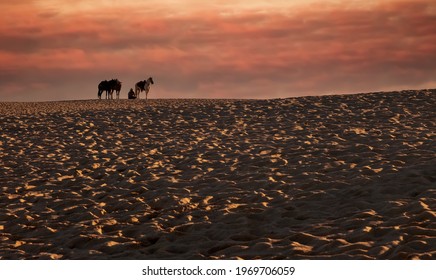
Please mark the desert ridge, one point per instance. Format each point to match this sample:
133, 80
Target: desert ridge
319, 177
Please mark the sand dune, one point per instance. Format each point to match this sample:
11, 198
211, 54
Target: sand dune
331, 177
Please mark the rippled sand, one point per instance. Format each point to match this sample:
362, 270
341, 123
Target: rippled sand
342, 177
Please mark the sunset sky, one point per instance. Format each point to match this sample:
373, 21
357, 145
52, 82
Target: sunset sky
62, 49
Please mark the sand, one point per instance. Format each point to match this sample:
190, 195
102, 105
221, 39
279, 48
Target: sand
330, 177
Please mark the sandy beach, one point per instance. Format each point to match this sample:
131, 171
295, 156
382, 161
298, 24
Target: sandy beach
328, 177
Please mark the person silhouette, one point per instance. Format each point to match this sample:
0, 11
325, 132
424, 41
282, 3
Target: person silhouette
131, 94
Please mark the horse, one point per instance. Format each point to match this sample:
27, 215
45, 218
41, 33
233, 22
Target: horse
115, 86
143, 86
103, 86
109, 87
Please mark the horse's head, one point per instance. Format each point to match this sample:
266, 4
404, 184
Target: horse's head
150, 80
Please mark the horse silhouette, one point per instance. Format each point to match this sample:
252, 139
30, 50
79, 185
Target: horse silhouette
109, 87
143, 86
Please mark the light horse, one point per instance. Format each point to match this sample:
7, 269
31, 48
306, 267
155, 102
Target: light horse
143, 86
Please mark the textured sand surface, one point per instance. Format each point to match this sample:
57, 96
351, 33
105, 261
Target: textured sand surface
342, 177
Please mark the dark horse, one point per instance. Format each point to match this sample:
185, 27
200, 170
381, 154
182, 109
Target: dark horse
143, 86
109, 87
116, 86
103, 86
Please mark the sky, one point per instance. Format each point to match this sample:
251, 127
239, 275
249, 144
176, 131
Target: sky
62, 49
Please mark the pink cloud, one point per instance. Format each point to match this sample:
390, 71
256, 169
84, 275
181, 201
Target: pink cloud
248, 54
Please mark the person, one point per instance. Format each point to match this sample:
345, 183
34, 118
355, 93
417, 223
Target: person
131, 94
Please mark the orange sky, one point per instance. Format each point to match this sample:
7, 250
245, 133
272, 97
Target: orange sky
55, 50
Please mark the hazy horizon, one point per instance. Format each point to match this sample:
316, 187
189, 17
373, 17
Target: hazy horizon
124, 96
58, 50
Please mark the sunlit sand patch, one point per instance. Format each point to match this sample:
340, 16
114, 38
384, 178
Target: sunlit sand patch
313, 177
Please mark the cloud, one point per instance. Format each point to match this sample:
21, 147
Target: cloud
275, 51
